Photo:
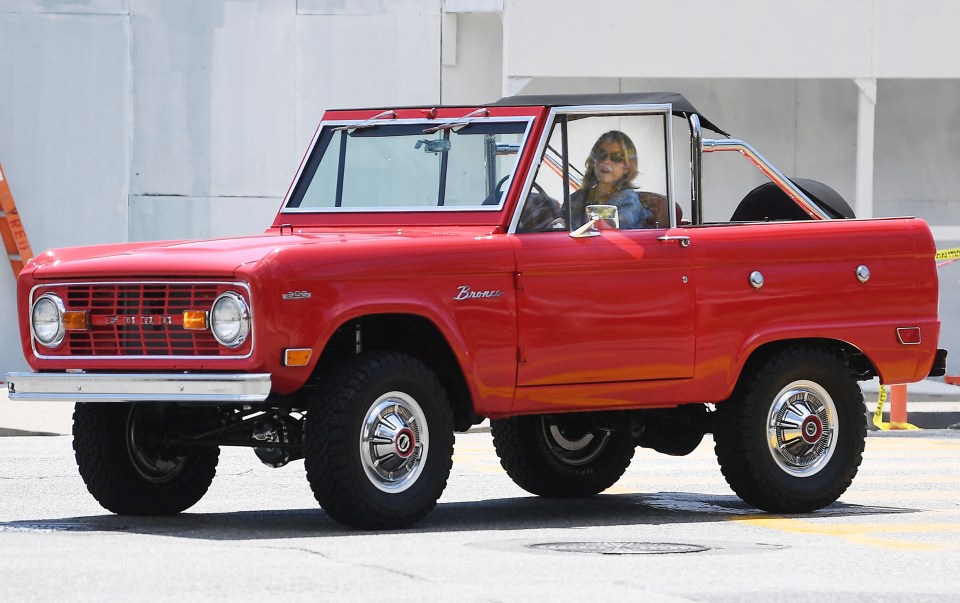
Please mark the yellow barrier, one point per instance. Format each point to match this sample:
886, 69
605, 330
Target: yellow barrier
878, 421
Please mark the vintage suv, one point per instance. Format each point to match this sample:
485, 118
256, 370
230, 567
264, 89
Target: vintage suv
434, 267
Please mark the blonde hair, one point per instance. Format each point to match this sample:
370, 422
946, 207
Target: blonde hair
590, 180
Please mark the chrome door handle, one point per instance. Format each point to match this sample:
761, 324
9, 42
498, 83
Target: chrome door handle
684, 241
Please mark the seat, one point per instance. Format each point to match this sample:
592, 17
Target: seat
658, 205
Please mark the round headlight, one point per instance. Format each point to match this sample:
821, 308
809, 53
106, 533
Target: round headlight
46, 319
230, 319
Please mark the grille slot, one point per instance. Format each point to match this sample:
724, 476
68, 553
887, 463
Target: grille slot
141, 319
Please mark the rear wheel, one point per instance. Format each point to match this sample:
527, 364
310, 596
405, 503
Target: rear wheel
128, 466
379, 442
569, 455
791, 438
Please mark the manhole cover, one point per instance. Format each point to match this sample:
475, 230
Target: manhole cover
620, 548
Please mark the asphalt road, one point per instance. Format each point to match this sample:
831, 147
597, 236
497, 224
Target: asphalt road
670, 530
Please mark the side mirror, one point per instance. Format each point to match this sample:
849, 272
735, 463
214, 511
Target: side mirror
601, 217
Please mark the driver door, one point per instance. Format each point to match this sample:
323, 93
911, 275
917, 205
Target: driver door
617, 306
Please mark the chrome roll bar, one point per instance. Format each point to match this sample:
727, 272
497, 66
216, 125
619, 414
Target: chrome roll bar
700, 145
696, 169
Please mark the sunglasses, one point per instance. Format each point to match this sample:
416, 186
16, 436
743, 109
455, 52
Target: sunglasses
615, 157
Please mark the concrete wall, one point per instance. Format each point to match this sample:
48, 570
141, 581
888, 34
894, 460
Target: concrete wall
156, 119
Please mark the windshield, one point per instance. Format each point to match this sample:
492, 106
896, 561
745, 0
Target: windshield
419, 166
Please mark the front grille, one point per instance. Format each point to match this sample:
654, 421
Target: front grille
140, 319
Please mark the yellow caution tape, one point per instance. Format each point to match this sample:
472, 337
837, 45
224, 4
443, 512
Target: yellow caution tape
948, 254
878, 421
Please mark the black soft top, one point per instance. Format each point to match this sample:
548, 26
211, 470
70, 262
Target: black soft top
681, 106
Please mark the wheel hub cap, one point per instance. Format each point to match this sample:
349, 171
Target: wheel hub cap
812, 429
393, 442
801, 428
574, 446
405, 442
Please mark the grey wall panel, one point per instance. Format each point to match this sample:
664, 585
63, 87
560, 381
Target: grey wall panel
364, 61
918, 150
156, 218
214, 87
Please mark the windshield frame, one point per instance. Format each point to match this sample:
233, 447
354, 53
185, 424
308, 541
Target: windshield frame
311, 160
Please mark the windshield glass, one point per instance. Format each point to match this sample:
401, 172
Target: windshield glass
418, 166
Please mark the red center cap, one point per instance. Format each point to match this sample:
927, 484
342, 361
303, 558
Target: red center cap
405, 442
812, 429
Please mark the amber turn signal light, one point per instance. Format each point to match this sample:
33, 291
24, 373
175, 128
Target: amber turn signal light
194, 320
75, 321
297, 356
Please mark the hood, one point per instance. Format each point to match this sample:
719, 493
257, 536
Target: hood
216, 257
209, 258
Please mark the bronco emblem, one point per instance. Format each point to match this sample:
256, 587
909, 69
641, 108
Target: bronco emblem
464, 292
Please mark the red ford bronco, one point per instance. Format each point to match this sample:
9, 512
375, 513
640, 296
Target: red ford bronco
529, 262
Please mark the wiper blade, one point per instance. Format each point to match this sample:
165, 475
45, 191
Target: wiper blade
457, 123
366, 123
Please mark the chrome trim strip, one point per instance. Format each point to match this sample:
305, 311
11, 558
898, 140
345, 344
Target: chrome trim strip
139, 387
710, 145
242, 285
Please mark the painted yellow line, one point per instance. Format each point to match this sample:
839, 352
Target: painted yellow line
907, 494
862, 480
858, 533
618, 489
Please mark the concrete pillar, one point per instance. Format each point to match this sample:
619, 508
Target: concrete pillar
866, 112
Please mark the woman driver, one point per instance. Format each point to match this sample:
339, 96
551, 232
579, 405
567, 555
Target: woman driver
611, 168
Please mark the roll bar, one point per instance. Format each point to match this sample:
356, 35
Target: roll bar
700, 145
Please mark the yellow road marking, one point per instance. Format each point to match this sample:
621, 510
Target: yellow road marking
857, 533
903, 494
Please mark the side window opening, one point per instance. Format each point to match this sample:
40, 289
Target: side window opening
618, 160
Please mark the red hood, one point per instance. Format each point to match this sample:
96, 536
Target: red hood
215, 257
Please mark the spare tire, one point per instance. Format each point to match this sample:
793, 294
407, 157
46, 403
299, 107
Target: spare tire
768, 202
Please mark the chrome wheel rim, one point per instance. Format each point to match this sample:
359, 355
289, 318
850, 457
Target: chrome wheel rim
394, 440
802, 428
154, 461
573, 445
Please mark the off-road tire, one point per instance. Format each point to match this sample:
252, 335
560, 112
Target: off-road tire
134, 472
401, 399
799, 458
541, 461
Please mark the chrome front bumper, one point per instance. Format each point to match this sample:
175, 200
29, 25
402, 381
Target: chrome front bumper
217, 388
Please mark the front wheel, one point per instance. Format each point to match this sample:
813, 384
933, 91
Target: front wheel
791, 438
379, 442
562, 456
125, 459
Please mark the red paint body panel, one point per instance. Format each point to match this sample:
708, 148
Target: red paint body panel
811, 292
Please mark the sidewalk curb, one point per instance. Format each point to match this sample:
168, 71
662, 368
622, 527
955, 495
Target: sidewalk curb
7, 432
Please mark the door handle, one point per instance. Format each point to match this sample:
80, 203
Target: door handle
683, 240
